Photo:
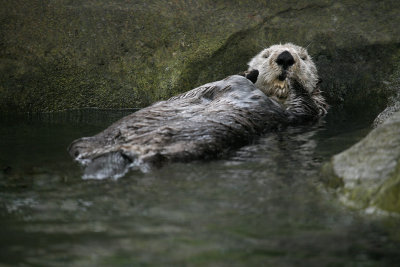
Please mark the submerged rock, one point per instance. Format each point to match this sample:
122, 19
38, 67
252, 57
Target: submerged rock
367, 175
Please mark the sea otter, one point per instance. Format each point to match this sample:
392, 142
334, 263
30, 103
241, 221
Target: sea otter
202, 123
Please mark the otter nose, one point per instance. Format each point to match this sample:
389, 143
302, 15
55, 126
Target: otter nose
285, 59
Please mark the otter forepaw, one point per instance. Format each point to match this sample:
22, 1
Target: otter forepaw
252, 75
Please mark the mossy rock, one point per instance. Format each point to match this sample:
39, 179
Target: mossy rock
367, 175
113, 54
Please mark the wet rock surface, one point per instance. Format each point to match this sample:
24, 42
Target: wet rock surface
367, 175
59, 55
393, 86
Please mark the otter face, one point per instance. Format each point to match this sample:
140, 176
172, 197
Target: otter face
278, 65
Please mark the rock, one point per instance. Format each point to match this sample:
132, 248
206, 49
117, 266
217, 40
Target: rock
367, 175
393, 85
57, 55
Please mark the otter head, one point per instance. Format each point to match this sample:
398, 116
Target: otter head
279, 66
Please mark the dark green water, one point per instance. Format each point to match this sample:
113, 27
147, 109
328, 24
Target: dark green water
263, 205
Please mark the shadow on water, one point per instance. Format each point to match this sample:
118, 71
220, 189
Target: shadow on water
263, 204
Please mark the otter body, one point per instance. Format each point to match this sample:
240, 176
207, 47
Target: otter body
200, 124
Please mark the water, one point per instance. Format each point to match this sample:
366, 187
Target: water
262, 205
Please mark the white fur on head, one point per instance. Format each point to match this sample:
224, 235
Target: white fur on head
303, 70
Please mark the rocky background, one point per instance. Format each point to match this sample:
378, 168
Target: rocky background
367, 175
68, 54
64, 54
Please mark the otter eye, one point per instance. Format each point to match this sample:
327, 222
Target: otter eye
303, 57
265, 55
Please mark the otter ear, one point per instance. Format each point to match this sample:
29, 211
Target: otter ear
252, 75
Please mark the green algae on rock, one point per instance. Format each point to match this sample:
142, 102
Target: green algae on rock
57, 55
367, 175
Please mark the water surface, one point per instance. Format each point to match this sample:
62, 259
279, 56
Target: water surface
262, 205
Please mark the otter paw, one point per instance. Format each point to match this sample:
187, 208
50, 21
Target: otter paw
252, 75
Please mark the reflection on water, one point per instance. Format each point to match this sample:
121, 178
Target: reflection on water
263, 204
